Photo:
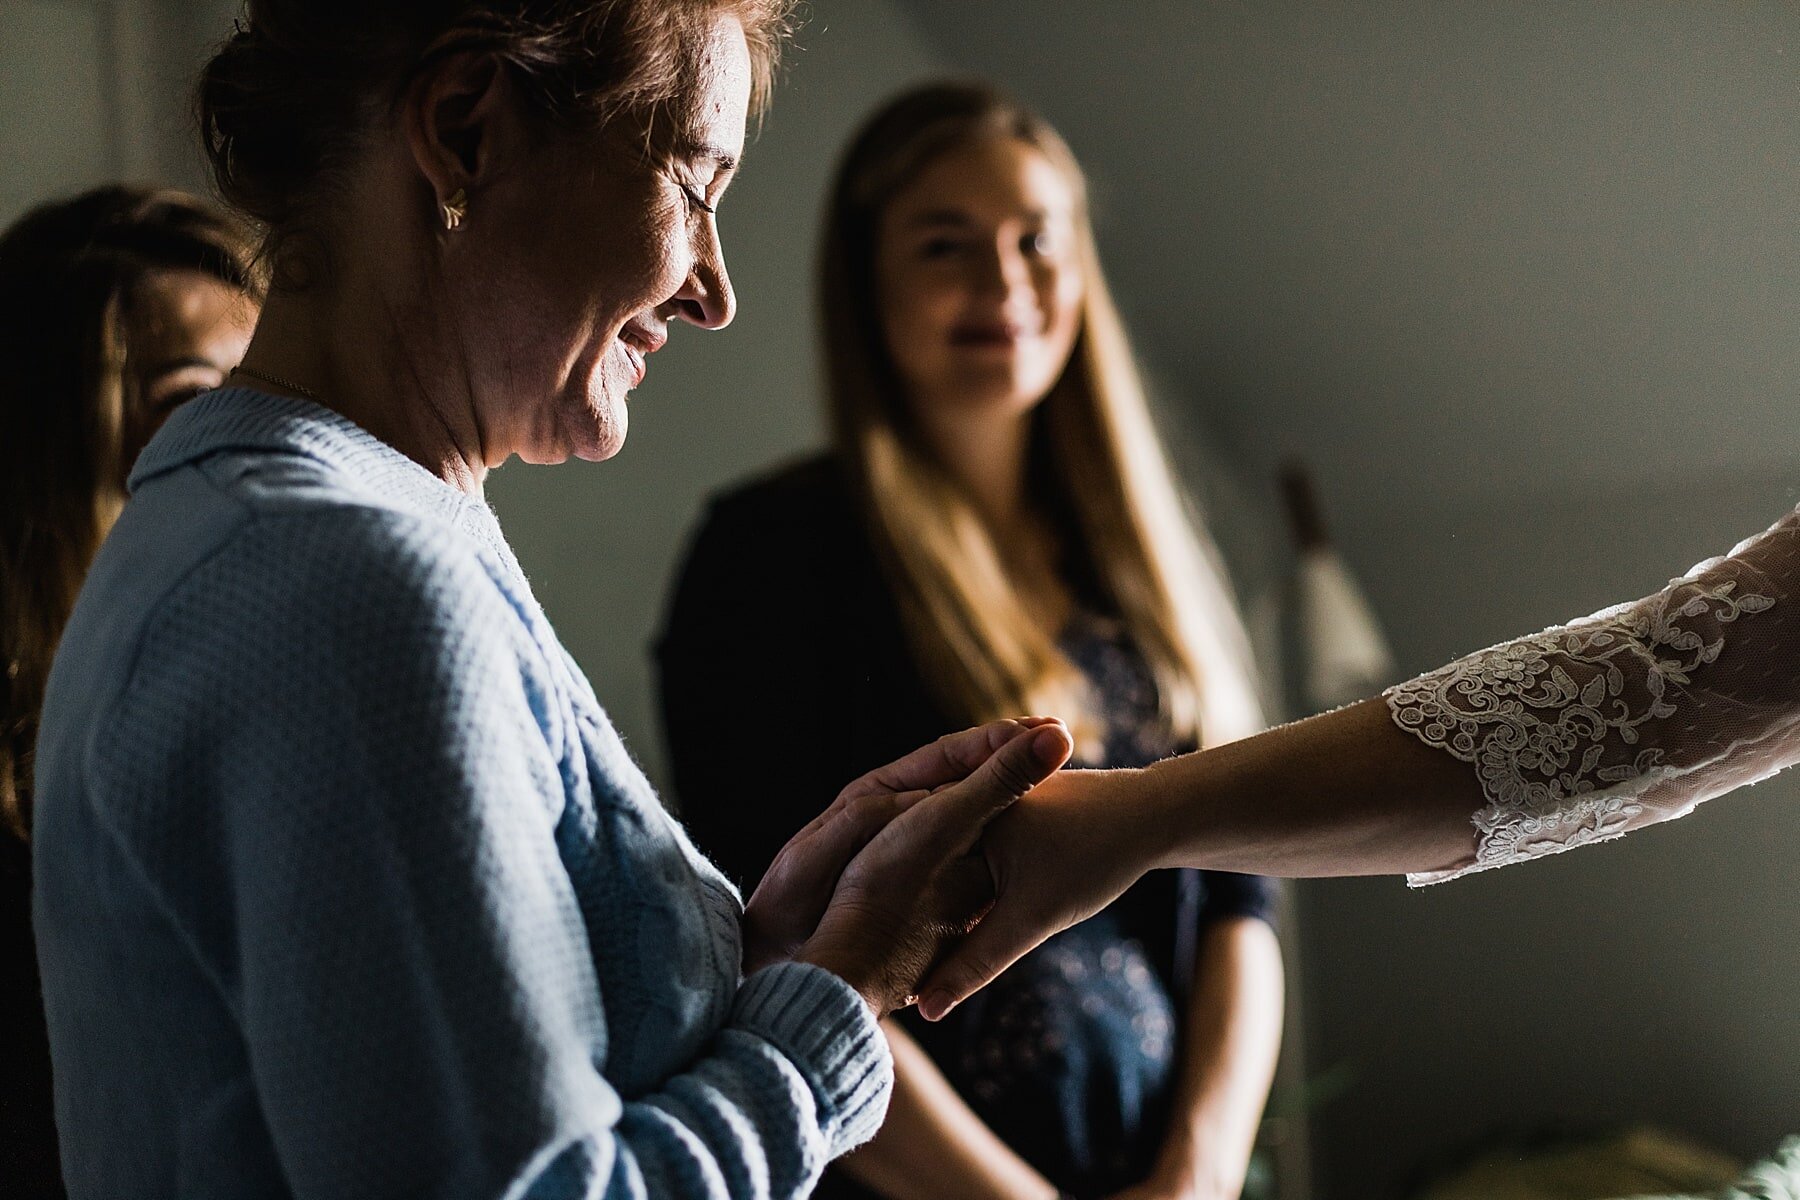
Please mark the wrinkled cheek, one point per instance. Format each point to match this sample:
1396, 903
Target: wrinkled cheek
589, 420
611, 380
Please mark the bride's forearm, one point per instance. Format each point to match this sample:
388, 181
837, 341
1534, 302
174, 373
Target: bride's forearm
1345, 793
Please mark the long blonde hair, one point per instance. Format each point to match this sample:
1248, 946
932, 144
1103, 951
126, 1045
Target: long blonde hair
67, 274
1094, 446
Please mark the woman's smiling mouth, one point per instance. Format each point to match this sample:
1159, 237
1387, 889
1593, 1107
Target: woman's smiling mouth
987, 335
639, 340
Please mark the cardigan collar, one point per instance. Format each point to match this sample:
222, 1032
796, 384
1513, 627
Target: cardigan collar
240, 419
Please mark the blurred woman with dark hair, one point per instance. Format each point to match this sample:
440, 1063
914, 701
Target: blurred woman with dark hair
996, 531
115, 307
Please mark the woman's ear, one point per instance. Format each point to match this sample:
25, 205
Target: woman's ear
462, 125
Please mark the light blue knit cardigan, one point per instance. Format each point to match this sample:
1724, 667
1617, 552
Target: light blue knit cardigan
346, 887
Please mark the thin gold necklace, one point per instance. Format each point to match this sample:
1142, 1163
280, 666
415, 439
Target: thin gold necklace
278, 381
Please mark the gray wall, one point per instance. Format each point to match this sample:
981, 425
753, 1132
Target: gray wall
97, 90
1522, 280
59, 131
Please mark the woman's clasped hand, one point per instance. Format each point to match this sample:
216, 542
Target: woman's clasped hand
876, 884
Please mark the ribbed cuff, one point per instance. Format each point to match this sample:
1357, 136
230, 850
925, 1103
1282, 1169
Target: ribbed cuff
819, 1022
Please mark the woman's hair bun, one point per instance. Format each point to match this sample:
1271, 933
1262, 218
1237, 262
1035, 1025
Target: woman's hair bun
284, 102
267, 115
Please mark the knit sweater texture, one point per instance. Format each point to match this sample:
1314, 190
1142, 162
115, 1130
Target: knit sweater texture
346, 886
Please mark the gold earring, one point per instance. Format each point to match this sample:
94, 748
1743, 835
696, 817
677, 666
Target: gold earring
455, 209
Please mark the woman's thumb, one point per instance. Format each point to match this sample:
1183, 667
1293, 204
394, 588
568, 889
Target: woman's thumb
1003, 937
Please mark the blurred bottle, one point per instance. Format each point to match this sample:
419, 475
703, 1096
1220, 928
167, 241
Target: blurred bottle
1342, 653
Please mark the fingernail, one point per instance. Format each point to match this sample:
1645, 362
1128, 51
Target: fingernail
934, 1005
1049, 744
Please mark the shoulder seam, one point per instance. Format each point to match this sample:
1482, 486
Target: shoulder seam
252, 517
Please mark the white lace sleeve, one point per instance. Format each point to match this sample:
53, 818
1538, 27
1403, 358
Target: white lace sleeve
1629, 717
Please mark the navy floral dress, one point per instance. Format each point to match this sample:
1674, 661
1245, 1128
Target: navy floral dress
784, 674
1072, 1055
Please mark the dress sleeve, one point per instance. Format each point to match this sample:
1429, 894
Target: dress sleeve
1632, 716
748, 672
387, 908
1230, 895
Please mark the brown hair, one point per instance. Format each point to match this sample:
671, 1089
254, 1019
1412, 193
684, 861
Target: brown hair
1094, 448
285, 102
68, 273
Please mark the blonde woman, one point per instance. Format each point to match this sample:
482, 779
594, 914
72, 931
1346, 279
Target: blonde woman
115, 307
995, 531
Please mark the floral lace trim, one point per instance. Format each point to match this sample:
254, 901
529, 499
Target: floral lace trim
1553, 722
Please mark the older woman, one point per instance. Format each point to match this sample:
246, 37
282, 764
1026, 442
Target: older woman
344, 884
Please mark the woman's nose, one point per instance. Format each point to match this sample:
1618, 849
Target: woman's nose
706, 299
1005, 272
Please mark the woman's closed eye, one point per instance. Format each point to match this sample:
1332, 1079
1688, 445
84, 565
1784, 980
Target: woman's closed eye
702, 172
166, 402
697, 199
935, 248
170, 388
